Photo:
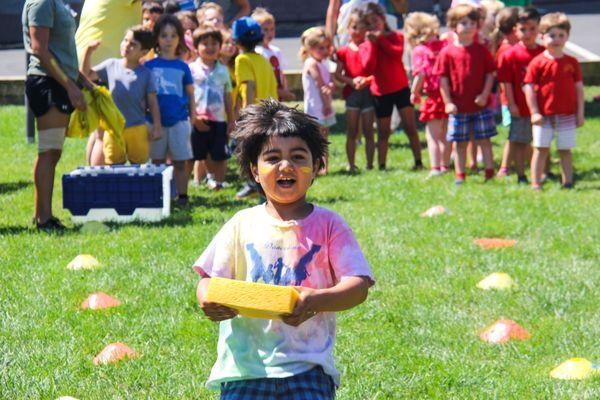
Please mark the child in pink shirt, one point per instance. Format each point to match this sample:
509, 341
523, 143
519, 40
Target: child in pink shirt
422, 31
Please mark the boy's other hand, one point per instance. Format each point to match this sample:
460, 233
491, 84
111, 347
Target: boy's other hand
286, 95
155, 133
93, 45
536, 119
373, 35
216, 312
514, 110
415, 98
303, 309
451, 108
481, 100
579, 121
201, 125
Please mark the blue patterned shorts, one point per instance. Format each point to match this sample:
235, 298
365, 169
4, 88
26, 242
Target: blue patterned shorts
313, 384
481, 123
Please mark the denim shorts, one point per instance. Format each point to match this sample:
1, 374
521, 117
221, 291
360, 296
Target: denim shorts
313, 384
360, 100
481, 124
520, 130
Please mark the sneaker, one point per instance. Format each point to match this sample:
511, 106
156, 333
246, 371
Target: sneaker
536, 188
382, 167
352, 170
568, 185
195, 183
522, 180
502, 173
459, 182
53, 224
434, 173
225, 184
418, 166
182, 200
212, 184
247, 191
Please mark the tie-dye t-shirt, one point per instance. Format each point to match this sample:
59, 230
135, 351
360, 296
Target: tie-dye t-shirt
318, 252
210, 86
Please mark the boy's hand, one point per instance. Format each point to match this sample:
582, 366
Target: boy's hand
286, 95
415, 98
358, 82
201, 125
536, 119
303, 309
155, 133
514, 110
216, 312
451, 108
327, 110
579, 121
481, 100
93, 45
373, 35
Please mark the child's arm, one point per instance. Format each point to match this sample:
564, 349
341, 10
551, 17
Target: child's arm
285, 94
580, 104
249, 89
214, 312
536, 117
445, 92
349, 293
417, 86
324, 89
340, 74
189, 89
86, 63
156, 131
229, 112
510, 98
387, 46
482, 98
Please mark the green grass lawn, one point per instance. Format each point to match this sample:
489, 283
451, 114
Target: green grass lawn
416, 335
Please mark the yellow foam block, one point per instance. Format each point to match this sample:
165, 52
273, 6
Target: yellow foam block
254, 300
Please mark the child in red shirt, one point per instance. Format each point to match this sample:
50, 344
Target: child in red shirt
422, 32
512, 66
381, 54
466, 70
359, 102
554, 92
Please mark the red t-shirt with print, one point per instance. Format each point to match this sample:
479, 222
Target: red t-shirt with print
554, 81
512, 67
353, 65
466, 67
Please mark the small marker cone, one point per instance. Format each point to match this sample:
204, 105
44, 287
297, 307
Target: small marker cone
99, 301
494, 243
434, 211
497, 280
83, 261
113, 353
503, 331
575, 368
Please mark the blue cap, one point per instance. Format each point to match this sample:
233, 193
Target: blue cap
246, 28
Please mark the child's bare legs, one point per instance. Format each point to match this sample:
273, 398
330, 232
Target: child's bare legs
538, 162
407, 114
507, 156
460, 160
566, 166
384, 130
436, 143
180, 174
199, 171
488, 156
97, 150
519, 154
367, 119
217, 168
472, 151
352, 121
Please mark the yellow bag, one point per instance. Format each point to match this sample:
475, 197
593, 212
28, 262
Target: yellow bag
101, 111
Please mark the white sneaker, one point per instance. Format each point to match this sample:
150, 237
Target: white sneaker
212, 184
225, 184
434, 173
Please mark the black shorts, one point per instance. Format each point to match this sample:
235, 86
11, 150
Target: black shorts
384, 105
213, 142
43, 92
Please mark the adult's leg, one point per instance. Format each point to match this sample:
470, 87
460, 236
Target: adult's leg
410, 127
367, 119
538, 161
566, 166
352, 124
384, 131
45, 165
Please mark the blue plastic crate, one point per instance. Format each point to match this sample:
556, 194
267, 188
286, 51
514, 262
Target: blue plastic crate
119, 193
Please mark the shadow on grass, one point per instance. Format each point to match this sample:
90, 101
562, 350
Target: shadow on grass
588, 175
592, 109
320, 200
15, 230
8, 187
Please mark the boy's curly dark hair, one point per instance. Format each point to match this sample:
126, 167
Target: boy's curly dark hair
270, 118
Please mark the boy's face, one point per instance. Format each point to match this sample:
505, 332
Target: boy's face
466, 29
285, 169
148, 19
168, 40
527, 32
268, 30
356, 30
374, 22
555, 39
131, 49
209, 49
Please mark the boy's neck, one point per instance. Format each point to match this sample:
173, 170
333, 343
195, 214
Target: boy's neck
170, 56
286, 212
554, 54
131, 64
209, 63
